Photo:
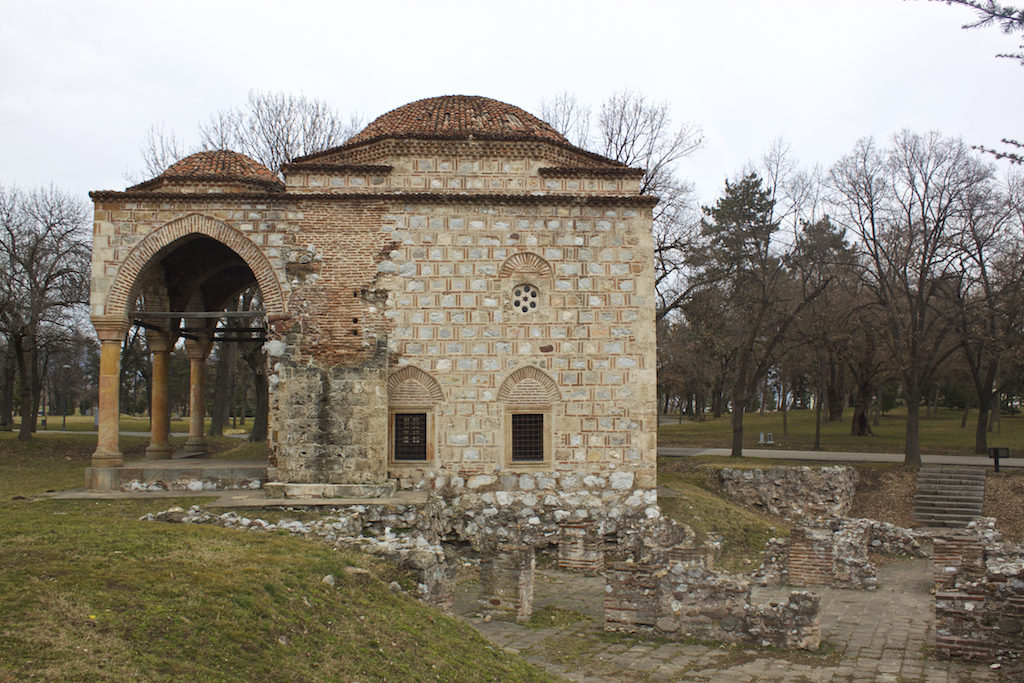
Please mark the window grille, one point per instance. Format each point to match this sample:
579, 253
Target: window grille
524, 298
410, 436
528, 436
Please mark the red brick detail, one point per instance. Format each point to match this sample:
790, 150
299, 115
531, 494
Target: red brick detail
810, 557
412, 386
529, 386
525, 263
962, 553
126, 283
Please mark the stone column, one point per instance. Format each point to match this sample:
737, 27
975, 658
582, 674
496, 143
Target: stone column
580, 547
506, 582
108, 449
198, 350
160, 343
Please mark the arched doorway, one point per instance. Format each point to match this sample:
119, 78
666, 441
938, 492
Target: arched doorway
178, 284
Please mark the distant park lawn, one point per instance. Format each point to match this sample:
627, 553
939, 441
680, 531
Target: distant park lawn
128, 423
941, 434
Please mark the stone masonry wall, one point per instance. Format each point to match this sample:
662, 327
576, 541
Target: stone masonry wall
686, 600
834, 552
793, 492
979, 596
450, 300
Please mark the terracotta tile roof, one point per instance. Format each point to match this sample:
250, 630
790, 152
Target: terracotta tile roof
458, 117
218, 165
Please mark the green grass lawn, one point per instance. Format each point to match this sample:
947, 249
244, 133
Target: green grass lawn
88, 592
128, 423
940, 434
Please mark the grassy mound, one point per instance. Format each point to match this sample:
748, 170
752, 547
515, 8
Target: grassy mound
689, 492
91, 593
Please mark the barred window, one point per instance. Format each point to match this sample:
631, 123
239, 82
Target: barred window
410, 435
528, 436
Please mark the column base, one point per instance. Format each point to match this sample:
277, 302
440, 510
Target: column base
195, 447
160, 451
104, 457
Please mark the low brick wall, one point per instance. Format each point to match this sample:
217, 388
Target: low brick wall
793, 492
834, 552
686, 600
979, 594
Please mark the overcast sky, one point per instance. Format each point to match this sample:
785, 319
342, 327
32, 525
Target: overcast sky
82, 80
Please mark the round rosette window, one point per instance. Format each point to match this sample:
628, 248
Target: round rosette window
524, 298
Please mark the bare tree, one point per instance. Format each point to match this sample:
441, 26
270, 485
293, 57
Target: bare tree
570, 118
1010, 20
990, 295
44, 254
274, 128
904, 205
161, 149
271, 127
640, 133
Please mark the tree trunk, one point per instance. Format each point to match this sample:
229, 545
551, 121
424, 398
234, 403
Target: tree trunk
784, 407
260, 418
223, 384
912, 446
836, 390
963, 418
737, 428
981, 429
993, 415
7, 393
257, 361
818, 405
26, 373
860, 425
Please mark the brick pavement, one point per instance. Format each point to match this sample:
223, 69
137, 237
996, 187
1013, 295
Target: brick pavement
884, 635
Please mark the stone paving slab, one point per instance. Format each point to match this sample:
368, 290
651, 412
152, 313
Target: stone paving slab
883, 635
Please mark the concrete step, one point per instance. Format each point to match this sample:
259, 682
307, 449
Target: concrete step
948, 496
944, 498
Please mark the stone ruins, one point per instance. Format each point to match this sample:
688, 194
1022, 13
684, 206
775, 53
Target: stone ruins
458, 308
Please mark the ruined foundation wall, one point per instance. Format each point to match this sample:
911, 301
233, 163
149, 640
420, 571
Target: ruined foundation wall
793, 492
979, 594
685, 600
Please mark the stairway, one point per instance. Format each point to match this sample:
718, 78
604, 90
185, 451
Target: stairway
949, 496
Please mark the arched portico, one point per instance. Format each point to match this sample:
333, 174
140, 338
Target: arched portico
183, 273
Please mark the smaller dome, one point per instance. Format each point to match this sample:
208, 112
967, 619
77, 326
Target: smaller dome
458, 117
217, 165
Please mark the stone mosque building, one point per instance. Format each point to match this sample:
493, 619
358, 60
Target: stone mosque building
456, 296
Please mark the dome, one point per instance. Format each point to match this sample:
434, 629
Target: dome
218, 165
458, 117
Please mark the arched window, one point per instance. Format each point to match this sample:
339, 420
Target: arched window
412, 398
528, 394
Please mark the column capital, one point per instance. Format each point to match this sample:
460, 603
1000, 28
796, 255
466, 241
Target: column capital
160, 341
110, 329
198, 349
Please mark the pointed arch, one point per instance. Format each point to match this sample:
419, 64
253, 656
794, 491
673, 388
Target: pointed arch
529, 386
410, 385
525, 263
126, 283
